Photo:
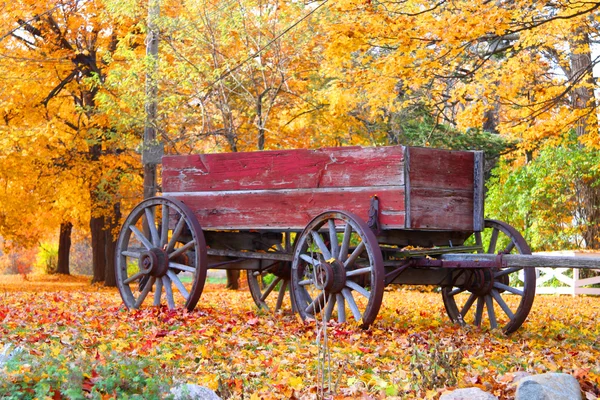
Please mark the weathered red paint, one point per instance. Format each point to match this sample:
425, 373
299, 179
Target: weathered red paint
290, 209
285, 169
440, 185
285, 189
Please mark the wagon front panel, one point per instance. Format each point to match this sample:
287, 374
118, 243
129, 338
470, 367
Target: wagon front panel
444, 189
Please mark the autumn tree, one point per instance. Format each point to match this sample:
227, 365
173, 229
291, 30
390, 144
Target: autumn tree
64, 53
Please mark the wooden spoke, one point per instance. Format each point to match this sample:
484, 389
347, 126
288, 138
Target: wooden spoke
352, 304
306, 282
465, 310
135, 276
152, 226
333, 240
176, 234
507, 271
511, 289
489, 303
168, 292
178, 284
182, 249
456, 291
264, 270
318, 240
341, 307
164, 231
158, 292
132, 254
479, 311
509, 247
182, 267
502, 304
140, 236
345, 242
493, 241
270, 288
360, 271
358, 288
281, 294
144, 292
309, 259
315, 306
329, 307
357, 252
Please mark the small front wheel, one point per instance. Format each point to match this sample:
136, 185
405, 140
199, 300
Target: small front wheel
499, 297
337, 270
161, 249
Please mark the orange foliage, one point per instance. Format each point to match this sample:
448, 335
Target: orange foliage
275, 356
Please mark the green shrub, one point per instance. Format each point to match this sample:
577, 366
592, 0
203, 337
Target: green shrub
47, 258
25, 376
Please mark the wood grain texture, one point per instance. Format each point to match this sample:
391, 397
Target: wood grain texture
531, 261
440, 189
289, 209
285, 169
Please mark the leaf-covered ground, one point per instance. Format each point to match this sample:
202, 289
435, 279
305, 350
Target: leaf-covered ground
412, 351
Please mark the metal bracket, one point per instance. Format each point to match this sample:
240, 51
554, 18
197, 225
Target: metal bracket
373, 222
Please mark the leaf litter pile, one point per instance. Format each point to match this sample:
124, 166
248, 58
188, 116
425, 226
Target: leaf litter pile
87, 345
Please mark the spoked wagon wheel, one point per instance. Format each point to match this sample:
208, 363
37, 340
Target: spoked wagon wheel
161, 248
506, 294
338, 270
270, 285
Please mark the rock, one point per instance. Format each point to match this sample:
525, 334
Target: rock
468, 394
193, 392
551, 386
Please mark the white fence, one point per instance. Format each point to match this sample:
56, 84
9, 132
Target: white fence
565, 284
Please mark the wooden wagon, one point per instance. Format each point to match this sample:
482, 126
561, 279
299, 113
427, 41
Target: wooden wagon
331, 228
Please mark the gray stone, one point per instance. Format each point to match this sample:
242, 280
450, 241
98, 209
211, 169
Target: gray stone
468, 394
551, 386
193, 392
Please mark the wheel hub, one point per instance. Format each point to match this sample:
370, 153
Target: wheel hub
330, 276
155, 261
480, 282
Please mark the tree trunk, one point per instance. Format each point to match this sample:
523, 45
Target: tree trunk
582, 98
98, 249
233, 279
64, 248
110, 278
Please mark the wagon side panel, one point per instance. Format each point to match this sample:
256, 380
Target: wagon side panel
286, 189
443, 189
342, 167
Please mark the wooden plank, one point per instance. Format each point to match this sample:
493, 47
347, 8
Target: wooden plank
444, 169
478, 191
407, 186
433, 208
530, 261
440, 189
289, 209
285, 169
